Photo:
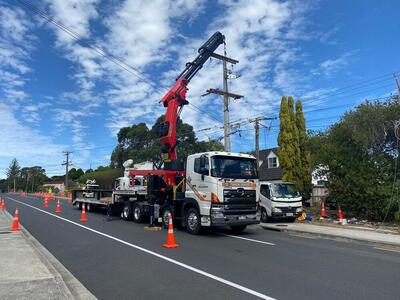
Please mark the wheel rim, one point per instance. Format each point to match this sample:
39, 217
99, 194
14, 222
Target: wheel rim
165, 216
88, 207
136, 213
192, 221
126, 212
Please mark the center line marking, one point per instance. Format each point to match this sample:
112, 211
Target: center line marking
183, 265
246, 239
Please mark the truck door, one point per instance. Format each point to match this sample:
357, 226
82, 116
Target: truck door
200, 178
265, 198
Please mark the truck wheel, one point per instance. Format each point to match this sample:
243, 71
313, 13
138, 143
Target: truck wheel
264, 215
126, 213
78, 205
88, 207
137, 213
238, 228
193, 221
165, 221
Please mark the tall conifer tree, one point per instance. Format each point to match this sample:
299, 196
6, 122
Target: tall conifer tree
286, 150
304, 179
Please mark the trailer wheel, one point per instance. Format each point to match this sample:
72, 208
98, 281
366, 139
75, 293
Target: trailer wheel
193, 221
126, 212
137, 213
165, 221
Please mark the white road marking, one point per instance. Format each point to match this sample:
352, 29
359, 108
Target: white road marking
183, 265
388, 249
250, 240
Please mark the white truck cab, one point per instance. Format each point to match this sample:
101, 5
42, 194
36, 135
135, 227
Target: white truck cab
279, 200
223, 187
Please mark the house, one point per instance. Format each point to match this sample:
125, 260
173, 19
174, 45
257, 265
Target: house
270, 169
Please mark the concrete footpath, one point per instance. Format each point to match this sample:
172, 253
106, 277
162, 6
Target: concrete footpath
29, 271
336, 233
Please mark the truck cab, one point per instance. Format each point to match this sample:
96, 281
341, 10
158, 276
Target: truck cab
125, 184
222, 186
279, 200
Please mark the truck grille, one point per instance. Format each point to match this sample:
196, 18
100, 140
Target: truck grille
240, 202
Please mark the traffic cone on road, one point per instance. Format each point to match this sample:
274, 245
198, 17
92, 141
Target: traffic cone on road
83, 215
170, 239
58, 207
2, 204
323, 211
46, 202
15, 223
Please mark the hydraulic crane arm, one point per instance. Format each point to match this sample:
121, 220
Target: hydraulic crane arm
175, 98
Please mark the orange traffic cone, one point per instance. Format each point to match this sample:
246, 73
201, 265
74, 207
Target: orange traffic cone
2, 205
323, 211
58, 207
46, 202
15, 223
340, 215
170, 239
83, 215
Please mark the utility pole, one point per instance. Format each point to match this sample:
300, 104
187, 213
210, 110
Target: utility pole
226, 94
256, 122
397, 83
66, 164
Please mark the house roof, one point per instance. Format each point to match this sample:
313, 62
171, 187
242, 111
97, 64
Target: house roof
268, 174
266, 152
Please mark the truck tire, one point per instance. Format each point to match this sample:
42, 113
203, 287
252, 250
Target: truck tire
264, 215
164, 216
193, 221
78, 205
238, 228
89, 207
137, 213
126, 212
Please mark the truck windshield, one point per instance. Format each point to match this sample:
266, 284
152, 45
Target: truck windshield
234, 167
284, 190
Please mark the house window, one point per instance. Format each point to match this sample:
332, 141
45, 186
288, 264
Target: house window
272, 162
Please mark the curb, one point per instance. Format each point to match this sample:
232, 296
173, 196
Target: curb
73, 287
330, 236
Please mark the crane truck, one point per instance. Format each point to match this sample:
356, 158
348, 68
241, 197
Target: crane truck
214, 189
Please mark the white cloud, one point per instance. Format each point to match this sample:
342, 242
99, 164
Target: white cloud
333, 65
26, 144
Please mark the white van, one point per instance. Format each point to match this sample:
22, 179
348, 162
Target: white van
279, 200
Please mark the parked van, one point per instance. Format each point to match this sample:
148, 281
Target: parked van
279, 200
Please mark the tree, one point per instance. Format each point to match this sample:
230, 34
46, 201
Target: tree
12, 172
74, 174
286, 138
304, 170
140, 143
359, 153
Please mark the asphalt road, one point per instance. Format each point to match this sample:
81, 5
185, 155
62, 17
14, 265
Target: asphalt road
120, 260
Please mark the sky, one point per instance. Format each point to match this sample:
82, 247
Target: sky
73, 89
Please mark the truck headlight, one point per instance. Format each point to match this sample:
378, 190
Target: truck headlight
276, 209
217, 211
